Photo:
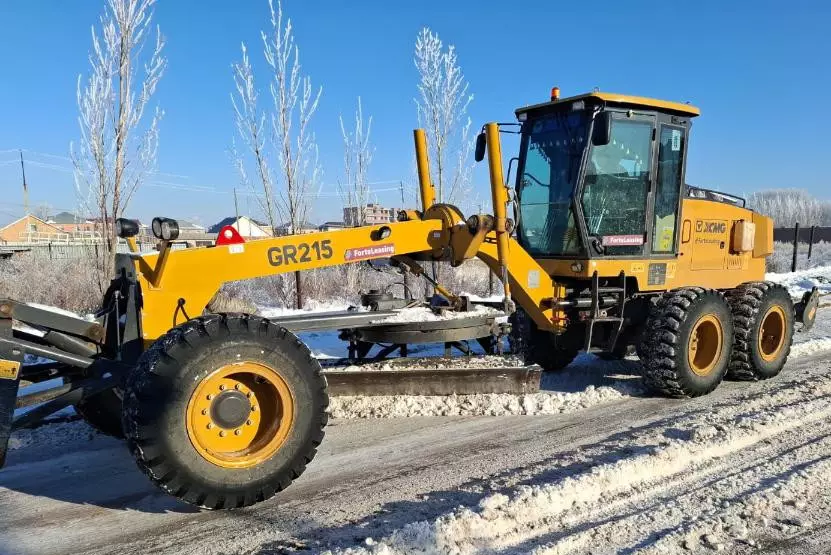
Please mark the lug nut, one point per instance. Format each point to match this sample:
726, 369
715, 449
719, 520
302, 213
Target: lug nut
237, 432
222, 387
204, 412
210, 396
210, 425
221, 434
248, 422
250, 394
236, 386
253, 408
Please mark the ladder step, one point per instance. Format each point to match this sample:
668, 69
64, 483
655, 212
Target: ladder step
602, 290
607, 319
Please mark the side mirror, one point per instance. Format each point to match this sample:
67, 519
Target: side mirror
602, 132
481, 144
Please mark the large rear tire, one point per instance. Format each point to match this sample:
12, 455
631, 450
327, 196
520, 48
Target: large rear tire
763, 317
224, 411
686, 347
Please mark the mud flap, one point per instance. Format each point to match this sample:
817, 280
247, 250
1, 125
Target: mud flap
806, 309
11, 361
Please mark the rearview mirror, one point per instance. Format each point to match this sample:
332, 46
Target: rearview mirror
602, 132
481, 143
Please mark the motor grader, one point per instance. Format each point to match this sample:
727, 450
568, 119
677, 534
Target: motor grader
606, 248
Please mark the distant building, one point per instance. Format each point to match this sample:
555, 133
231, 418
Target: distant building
247, 227
31, 229
330, 226
373, 214
72, 223
286, 229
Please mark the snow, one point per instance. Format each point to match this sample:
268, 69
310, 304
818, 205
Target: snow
719, 473
425, 314
804, 280
311, 307
526, 515
587, 382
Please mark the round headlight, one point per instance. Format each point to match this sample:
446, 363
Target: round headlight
169, 229
156, 226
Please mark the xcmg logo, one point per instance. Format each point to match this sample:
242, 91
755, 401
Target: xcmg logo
710, 226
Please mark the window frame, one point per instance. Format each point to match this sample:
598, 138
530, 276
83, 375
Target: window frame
666, 123
650, 117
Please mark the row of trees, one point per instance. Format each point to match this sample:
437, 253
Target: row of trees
789, 206
274, 148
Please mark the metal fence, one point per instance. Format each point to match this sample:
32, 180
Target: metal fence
796, 235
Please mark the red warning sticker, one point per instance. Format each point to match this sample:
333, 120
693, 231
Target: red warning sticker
373, 251
621, 240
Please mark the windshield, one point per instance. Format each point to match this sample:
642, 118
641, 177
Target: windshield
550, 154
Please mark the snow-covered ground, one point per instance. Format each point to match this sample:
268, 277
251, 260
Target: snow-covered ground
589, 464
804, 280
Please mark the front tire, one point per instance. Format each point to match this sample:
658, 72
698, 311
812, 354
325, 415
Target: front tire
551, 352
224, 411
764, 322
102, 411
686, 347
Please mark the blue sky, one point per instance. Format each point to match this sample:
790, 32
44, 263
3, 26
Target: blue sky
759, 71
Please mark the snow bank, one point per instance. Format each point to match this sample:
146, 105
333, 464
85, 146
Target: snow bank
425, 314
810, 347
487, 404
803, 280
587, 382
529, 513
311, 307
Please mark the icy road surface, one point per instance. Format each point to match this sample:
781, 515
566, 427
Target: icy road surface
743, 468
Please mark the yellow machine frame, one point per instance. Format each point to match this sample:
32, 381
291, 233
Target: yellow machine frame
720, 245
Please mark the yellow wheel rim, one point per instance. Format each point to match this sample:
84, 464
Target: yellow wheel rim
772, 333
705, 344
240, 415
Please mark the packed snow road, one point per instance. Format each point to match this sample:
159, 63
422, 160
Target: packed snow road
741, 469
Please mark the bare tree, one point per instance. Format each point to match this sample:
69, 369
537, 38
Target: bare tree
294, 102
118, 144
357, 156
251, 128
442, 111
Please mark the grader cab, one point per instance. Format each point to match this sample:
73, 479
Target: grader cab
608, 248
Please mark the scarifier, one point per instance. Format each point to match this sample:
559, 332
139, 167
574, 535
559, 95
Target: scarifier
608, 248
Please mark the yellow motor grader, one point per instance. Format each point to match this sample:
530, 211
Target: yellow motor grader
606, 248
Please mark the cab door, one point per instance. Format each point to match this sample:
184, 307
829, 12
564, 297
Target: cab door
669, 184
617, 180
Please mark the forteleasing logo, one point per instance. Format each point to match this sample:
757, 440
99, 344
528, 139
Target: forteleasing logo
711, 226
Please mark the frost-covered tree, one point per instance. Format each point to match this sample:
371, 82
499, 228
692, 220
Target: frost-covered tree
789, 206
288, 141
119, 138
253, 132
357, 156
442, 105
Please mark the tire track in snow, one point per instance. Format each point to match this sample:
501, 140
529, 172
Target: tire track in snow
501, 522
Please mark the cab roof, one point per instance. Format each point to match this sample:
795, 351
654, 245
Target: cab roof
622, 100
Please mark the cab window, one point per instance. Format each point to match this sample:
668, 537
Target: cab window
616, 185
668, 188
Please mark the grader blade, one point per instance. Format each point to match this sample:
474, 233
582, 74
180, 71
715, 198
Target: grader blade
458, 381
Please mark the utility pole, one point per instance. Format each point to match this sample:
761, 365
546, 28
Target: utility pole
25, 187
401, 188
